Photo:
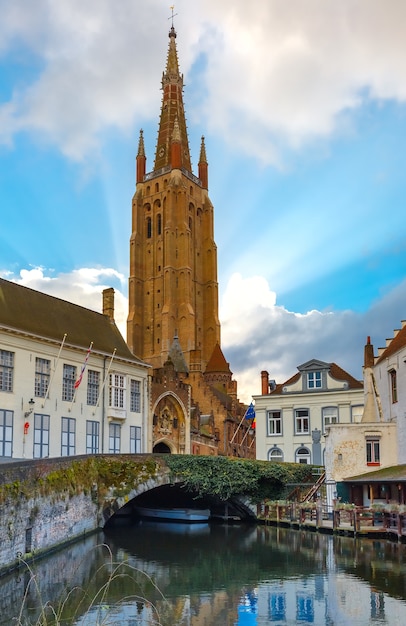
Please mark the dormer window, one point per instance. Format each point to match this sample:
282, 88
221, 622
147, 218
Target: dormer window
314, 380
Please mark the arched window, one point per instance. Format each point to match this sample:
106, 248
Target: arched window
275, 454
159, 224
302, 455
149, 228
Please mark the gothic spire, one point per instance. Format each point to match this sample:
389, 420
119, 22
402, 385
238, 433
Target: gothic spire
171, 110
141, 159
203, 166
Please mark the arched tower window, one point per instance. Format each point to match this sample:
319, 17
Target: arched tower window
149, 228
159, 224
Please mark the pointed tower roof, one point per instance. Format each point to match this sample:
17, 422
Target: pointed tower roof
141, 146
171, 110
217, 362
177, 357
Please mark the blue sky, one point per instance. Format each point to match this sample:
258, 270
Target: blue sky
303, 107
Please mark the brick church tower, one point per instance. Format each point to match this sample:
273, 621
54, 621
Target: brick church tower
173, 319
173, 288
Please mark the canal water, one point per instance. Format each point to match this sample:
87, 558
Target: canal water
211, 575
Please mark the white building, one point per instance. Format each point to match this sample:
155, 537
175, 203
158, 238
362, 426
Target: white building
69, 384
359, 457
291, 418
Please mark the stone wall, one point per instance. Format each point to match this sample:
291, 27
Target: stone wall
36, 525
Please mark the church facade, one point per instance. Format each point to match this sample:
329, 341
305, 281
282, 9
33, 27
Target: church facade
173, 321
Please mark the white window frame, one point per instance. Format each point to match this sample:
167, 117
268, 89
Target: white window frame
6, 370
135, 395
117, 390
357, 411
302, 455
274, 423
300, 421
314, 380
329, 416
277, 453
42, 376
68, 382
93, 387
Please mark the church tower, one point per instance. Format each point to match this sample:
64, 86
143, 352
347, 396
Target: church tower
173, 289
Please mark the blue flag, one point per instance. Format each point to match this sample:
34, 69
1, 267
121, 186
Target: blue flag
250, 412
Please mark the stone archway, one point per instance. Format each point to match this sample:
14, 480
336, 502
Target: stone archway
162, 448
170, 427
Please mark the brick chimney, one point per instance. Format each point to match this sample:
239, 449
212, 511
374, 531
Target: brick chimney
108, 303
369, 358
264, 383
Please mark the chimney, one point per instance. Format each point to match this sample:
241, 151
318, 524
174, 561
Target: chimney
369, 358
108, 303
264, 383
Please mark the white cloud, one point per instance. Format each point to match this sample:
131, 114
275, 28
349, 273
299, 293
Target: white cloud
83, 286
286, 71
257, 334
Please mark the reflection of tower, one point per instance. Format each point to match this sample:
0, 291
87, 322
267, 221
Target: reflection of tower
173, 286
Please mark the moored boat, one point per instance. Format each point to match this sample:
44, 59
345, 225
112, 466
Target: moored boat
175, 514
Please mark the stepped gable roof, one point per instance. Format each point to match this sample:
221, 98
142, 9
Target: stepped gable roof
217, 362
177, 357
397, 343
34, 313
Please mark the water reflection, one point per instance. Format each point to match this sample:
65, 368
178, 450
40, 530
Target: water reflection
214, 575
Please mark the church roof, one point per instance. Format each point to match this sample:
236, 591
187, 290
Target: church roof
34, 313
172, 124
217, 361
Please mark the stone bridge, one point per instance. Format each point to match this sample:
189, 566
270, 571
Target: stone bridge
46, 503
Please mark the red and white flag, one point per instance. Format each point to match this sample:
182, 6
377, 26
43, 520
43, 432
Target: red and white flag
79, 380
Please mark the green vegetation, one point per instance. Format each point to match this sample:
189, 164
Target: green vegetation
96, 475
219, 476
226, 477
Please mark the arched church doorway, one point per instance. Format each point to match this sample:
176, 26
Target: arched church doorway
161, 448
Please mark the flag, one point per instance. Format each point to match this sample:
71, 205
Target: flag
250, 412
79, 380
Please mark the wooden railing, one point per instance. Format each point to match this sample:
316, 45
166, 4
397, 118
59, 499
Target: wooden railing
343, 520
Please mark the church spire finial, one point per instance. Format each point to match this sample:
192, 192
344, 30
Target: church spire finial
172, 8
172, 109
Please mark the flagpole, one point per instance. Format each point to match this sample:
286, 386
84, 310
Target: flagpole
79, 380
239, 425
104, 381
246, 434
53, 373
